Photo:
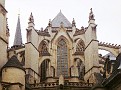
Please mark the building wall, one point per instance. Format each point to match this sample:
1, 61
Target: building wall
91, 52
31, 57
3, 37
13, 75
3, 53
9, 75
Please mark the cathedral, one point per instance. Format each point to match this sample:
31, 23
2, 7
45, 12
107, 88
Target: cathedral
61, 56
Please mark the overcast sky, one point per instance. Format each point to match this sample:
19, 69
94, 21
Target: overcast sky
107, 15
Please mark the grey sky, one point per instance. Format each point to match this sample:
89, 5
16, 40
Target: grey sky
107, 15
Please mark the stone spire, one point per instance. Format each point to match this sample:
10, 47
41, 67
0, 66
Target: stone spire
18, 36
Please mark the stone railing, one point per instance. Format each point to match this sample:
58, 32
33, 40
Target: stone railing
109, 45
78, 84
39, 85
66, 84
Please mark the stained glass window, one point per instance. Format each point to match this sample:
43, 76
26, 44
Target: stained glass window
62, 58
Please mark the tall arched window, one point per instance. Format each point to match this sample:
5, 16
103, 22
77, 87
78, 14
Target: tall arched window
62, 58
43, 69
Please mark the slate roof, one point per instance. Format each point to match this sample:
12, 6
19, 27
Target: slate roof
13, 62
18, 36
60, 18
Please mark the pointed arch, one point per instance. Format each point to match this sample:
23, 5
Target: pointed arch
43, 48
80, 47
62, 57
62, 37
43, 69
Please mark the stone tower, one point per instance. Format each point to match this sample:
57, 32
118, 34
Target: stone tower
4, 34
13, 75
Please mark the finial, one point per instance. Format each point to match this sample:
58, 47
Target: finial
73, 23
60, 10
31, 18
19, 12
91, 9
50, 23
91, 15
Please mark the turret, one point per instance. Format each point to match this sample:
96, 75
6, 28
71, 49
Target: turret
13, 75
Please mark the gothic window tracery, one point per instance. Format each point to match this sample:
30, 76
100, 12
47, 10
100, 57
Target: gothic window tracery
43, 49
80, 46
62, 58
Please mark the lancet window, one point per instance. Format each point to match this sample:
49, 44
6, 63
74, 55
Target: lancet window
43, 69
62, 58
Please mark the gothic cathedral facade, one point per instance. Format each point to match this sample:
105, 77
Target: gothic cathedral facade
58, 56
